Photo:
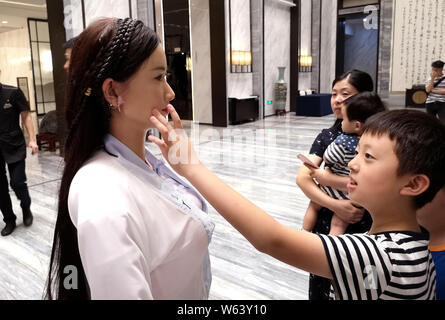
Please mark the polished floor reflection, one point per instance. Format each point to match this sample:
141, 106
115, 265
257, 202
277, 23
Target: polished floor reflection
257, 159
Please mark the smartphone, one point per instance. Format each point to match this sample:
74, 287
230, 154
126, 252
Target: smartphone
307, 162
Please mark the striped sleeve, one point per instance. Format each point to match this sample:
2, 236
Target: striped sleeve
337, 158
436, 97
360, 267
334, 154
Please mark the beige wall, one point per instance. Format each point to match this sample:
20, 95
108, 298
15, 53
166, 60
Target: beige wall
201, 64
328, 45
276, 50
304, 78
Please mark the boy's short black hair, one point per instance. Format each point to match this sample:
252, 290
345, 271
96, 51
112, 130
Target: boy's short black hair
438, 64
420, 145
363, 105
70, 43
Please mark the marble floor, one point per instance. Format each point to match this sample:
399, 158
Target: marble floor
258, 159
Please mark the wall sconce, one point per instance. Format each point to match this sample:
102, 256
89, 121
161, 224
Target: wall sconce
188, 64
305, 63
241, 61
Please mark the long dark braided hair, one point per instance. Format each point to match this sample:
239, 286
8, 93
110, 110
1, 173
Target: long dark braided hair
108, 48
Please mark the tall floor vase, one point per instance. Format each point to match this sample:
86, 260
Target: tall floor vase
280, 92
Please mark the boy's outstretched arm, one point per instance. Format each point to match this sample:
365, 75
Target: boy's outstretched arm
301, 249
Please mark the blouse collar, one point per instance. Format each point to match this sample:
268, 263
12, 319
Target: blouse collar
140, 169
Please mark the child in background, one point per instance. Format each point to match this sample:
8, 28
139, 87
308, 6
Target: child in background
355, 110
431, 217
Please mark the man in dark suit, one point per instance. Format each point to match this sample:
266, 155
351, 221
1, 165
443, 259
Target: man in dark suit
13, 105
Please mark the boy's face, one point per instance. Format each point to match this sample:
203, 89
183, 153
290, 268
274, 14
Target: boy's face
346, 125
374, 181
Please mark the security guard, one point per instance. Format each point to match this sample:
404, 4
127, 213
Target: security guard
13, 153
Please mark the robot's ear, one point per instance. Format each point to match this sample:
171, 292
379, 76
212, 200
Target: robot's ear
120, 101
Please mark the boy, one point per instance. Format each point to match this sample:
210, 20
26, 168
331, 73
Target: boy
431, 217
355, 111
398, 168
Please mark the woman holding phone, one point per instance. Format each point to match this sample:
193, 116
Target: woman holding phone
345, 86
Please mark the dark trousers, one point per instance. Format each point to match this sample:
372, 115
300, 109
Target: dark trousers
18, 184
437, 109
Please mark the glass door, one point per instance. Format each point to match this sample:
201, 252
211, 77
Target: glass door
177, 51
357, 44
42, 67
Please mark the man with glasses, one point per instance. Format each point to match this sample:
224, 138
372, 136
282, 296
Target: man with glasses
435, 86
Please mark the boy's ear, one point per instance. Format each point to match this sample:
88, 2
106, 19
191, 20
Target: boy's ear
416, 185
358, 126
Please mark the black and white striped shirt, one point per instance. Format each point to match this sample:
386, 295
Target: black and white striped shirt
385, 266
436, 97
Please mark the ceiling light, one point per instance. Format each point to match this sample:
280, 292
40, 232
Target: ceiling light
4, 22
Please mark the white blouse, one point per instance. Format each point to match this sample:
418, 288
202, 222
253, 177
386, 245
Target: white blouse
141, 232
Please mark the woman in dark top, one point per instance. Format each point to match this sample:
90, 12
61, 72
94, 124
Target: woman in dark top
359, 221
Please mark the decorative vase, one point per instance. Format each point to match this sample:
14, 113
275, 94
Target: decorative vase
280, 91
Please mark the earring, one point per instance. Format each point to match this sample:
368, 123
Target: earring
118, 108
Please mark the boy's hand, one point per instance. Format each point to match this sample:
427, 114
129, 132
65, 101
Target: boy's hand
346, 211
175, 146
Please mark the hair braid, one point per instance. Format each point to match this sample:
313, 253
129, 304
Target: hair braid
126, 32
122, 31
